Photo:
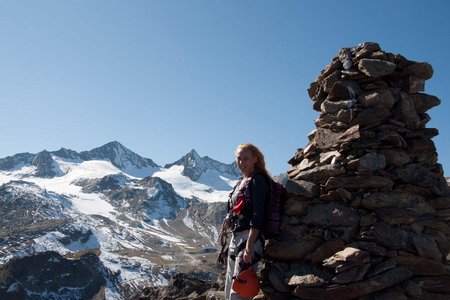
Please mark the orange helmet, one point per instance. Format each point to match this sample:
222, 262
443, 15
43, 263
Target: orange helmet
246, 284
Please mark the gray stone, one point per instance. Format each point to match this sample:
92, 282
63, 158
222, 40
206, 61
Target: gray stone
329, 81
321, 174
370, 247
347, 89
424, 102
392, 138
421, 266
392, 293
403, 200
325, 120
408, 112
290, 251
346, 259
414, 174
415, 84
302, 188
395, 216
351, 134
333, 66
383, 267
357, 289
325, 138
332, 107
369, 219
356, 182
309, 280
372, 162
426, 247
419, 69
329, 157
396, 157
345, 57
327, 249
305, 164
378, 97
353, 274
345, 116
388, 236
310, 149
296, 206
277, 279
366, 49
422, 133
332, 214
437, 284
412, 288
417, 146
372, 116
375, 67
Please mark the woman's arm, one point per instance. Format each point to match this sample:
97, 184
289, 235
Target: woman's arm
259, 191
249, 252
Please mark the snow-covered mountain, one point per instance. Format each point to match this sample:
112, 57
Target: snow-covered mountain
143, 221
195, 166
120, 157
113, 152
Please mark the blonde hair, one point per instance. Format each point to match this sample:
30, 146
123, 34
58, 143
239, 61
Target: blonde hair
260, 164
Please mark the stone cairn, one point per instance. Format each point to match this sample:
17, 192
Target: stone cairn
368, 212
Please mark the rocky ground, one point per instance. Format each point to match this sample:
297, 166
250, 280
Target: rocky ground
184, 286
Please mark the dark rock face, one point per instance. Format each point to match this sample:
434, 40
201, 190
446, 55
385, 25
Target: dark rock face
367, 216
28, 213
45, 165
118, 155
11, 162
104, 184
152, 199
48, 274
67, 154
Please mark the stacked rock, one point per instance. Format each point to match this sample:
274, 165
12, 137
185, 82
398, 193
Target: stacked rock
368, 215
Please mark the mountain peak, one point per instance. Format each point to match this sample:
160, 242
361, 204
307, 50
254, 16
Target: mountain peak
111, 146
194, 165
114, 144
66, 153
120, 156
45, 165
193, 153
194, 157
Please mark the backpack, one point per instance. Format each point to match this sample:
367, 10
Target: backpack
274, 208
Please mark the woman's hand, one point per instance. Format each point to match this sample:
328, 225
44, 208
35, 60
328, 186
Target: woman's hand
249, 252
248, 256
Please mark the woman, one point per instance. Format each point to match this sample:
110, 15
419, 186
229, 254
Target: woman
246, 207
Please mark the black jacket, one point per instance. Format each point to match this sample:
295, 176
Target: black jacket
255, 193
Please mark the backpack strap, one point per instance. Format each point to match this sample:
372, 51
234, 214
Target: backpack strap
232, 192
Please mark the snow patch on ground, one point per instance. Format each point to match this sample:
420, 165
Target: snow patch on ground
187, 188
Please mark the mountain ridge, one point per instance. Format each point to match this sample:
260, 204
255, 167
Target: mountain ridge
120, 156
195, 165
145, 225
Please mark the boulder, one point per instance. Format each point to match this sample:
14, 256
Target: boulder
376, 67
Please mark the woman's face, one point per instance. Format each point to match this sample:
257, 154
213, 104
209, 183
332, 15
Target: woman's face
246, 161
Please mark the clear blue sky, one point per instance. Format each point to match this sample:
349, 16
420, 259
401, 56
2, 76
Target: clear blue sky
164, 77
